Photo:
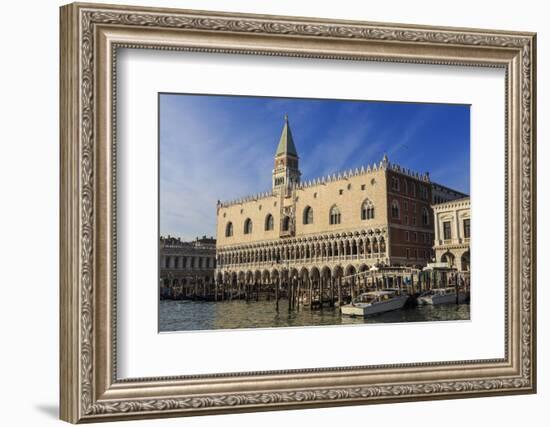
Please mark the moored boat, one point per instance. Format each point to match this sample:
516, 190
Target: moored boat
375, 302
443, 296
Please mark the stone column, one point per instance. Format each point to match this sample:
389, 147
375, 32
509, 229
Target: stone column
436, 229
457, 227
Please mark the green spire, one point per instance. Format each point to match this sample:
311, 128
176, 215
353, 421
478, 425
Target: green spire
286, 143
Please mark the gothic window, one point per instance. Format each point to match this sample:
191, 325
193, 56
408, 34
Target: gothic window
382, 245
269, 222
405, 187
229, 229
395, 209
413, 189
367, 210
308, 215
395, 183
247, 226
286, 223
423, 192
425, 217
335, 217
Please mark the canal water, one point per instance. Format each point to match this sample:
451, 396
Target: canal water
200, 315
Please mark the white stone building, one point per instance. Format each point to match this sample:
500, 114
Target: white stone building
452, 233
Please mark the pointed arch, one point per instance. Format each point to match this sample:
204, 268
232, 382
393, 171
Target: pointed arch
247, 226
308, 215
325, 272
381, 244
367, 209
334, 216
350, 270
395, 210
229, 229
395, 183
268, 222
337, 271
286, 223
425, 216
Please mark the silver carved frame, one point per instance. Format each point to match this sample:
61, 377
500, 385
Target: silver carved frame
90, 36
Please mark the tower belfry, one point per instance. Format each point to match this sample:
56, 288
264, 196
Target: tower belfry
286, 172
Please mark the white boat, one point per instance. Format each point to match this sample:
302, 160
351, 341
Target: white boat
374, 302
442, 296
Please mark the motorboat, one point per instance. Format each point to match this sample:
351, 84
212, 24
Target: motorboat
442, 296
375, 302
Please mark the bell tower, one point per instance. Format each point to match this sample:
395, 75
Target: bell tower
286, 173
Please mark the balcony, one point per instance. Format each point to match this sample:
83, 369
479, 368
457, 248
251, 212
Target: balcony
303, 261
450, 242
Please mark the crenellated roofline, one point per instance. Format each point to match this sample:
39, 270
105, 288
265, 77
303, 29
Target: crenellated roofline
245, 199
384, 164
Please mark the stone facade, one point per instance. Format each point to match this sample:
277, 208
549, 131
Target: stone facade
328, 227
452, 233
186, 268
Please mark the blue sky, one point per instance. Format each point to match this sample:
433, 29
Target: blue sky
222, 147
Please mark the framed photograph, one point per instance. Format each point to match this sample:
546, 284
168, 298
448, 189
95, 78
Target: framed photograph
266, 212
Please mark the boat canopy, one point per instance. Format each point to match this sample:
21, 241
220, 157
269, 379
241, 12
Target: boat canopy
377, 293
437, 266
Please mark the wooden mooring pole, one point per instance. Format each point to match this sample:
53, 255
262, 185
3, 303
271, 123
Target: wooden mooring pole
289, 294
339, 291
277, 284
331, 281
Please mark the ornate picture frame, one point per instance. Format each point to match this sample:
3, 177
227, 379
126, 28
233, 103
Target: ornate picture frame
90, 37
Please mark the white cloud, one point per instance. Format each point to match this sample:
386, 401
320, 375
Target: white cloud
200, 164
207, 155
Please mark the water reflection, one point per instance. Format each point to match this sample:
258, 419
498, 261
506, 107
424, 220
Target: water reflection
193, 316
